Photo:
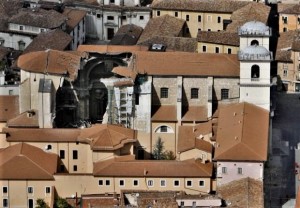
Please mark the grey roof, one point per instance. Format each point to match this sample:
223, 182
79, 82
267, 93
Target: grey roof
39, 18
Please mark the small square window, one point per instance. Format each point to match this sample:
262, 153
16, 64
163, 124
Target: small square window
199, 18
158, 13
47, 190
224, 94
176, 183
100, 182
122, 183
176, 14
240, 171
5, 202
163, 183
141, 17
21, 27
49, 147
107, 182
75, 154
110, 18
74, 167
164, 92
204, 48
150, 182
30, 190
4, 189
194, 93
62, 154
124, 17
10, 92
135, 182
201, 183
229, 51
189, 183
99, 16
164, 129
187, 17
224, 170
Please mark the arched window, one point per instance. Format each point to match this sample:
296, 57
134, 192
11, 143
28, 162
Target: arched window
164, 129
254, 42
255, 71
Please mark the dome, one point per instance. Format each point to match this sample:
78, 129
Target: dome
254, 27
255, 50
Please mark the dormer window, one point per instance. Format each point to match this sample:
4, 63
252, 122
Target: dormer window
22, 45
42, 30
21, 27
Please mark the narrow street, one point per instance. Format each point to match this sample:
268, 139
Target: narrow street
280, 171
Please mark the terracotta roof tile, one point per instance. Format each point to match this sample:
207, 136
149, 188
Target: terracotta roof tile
224, 6
164, 113
243, 132
107, 137
252, 11
165, 25
52, 62
26, 162
173, 43
74, 16
41, 135
222, 37
183, 63
152, 168
36, 17
124, 72
285, 44
26, 119
110, 49
295, 9
53, 39
127, 35
187, 140
9, 107
10, 8
235, 192
195, 113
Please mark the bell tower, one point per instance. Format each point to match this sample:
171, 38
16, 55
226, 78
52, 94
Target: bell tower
255, 64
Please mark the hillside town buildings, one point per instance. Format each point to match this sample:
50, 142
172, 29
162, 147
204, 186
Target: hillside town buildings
94, 92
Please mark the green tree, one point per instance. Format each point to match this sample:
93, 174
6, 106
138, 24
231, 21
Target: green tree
41, 204
61, 203
169, 155
158, 150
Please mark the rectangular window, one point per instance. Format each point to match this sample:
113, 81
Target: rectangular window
285, 73
4, 190
62, 154
30, 203
30, 189
10, 92
209, 18
194, 93
135, 182
164, 92
5, 202
229, 51
163, 129
201, 183
176, 14
110, 18
285, 20
217, 50
240, 170
224, 170
199, 18
21, 27
112, 1
219, 19
75, 154
107, 182
121, 183
163, 183
141, 17
189, 183
150, 183
100, 182
158, 13
187, 17
99, 16
176, 183
47, 190
224, 94
124, 17
74, 167
203, 48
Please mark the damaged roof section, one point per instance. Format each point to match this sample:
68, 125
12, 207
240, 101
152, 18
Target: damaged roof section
51, 62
